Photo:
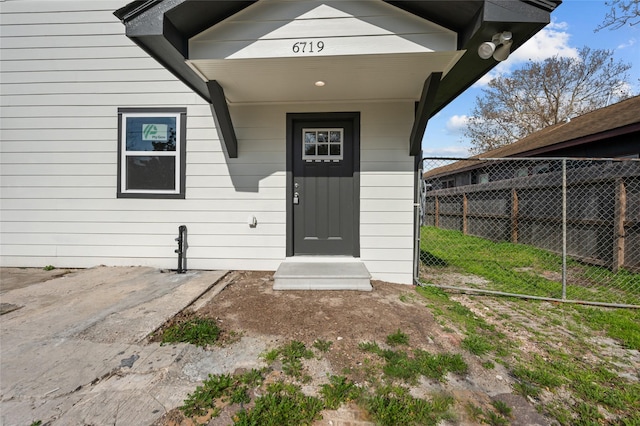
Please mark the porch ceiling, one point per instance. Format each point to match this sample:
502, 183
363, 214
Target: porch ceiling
163, 28
346, 78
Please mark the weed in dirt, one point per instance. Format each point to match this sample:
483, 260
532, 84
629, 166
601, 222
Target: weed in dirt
502, 408
283, 404
408, 297
393, 405
338, 391
322, 345
495, 419
291, 356
203, 398
400, 365
474, 411
49, 268
271, 356
489, 365
397, 338
197, 331
499, 417
587, 414
544, 377
620, 324
476, 344
526, 389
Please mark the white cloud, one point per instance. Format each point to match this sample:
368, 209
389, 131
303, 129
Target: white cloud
447, 151
457, 123
629, 43
550, 41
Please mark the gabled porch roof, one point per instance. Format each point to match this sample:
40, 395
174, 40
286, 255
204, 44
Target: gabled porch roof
166, 28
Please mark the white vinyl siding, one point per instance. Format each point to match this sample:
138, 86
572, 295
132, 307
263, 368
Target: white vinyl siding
66, 69
386, 175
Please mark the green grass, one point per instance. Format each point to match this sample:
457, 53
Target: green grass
477, 345
322, 345
283, 404
338, 391
517, 268
563, 369
291, 356
197, 331
393, 405
409, 366
397, 338
620, 324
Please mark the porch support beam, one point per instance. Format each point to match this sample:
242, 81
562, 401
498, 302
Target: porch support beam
425, 105
222, 117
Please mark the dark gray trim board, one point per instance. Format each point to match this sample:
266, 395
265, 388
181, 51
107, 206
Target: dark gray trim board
429, 91
222, 117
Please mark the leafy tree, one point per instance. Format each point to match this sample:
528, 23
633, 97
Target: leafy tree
541, 94
621, 13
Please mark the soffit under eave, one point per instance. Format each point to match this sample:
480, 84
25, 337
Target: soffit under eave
158, 32
361, 50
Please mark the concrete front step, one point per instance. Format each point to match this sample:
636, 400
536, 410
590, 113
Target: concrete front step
322, 275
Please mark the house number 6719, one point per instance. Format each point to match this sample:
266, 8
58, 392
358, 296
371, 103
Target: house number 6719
308, 46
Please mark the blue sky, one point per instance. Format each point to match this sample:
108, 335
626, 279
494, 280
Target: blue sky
572, 27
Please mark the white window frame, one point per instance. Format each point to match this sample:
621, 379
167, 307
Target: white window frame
179, 114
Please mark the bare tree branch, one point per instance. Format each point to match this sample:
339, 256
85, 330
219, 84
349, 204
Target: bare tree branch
541, 94
621, 13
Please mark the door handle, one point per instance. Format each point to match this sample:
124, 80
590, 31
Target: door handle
296, 198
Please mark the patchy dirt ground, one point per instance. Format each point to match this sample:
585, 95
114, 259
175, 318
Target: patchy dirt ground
249, 306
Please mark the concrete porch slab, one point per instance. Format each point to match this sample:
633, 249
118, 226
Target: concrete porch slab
322, 274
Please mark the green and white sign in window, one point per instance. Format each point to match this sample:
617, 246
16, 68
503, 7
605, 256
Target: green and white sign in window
151, 153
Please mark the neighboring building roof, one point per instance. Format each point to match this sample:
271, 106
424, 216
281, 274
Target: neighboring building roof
615, 120
599, 124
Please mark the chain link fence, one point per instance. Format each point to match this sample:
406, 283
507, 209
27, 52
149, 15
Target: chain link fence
551, 228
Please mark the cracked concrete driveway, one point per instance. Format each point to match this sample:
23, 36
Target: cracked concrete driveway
73, 349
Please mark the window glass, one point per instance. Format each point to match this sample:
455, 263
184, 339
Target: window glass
151, 173
151, 160
322, 144
151, 133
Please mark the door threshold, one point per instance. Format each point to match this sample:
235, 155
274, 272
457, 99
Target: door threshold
322, 259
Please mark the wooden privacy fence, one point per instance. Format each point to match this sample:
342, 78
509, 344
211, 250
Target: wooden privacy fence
588, 209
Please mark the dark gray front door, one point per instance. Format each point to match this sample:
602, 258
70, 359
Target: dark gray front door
324, 187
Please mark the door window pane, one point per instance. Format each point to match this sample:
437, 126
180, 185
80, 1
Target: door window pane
322, 144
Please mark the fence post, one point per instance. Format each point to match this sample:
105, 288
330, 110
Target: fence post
514, 216
564, 228
465, 208
620, 213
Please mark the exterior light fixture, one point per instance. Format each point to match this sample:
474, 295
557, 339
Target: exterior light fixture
499, 47
319, 83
